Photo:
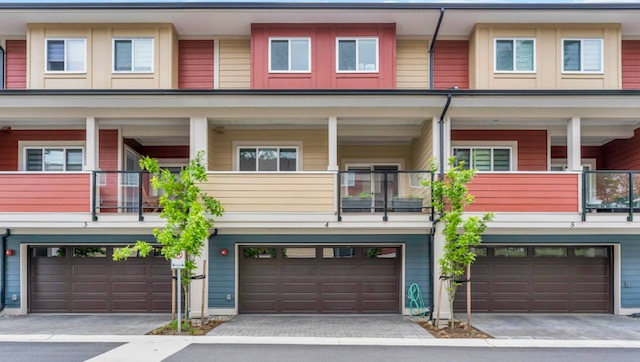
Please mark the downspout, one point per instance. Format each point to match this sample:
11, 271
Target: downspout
431, 48
2, 71
434, 222
4, 270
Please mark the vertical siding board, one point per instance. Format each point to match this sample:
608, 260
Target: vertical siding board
16, 64
195, 64
631, 64
622, 154
222, 268
451, 64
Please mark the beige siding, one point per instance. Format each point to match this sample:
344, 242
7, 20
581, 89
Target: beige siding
548, 73
235, 64
99, 57
354, 153
313, 142
422, 152
412, 64
256, 192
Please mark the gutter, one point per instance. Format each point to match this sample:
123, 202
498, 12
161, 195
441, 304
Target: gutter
3, 276
2, 64
431, 49
255, 5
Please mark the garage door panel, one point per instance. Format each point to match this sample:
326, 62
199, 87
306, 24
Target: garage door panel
88, 271
90, 287
510, 287
552, 305
298, 270
252, 287
89, 305
129, 305
510, 270
51, 271
298, 306
378, 306
125, 270
379, 270
550, 270
129, 287
589, 270
339, 305
298, 288
380, 288
328, 287
339, 270
50, 287
509, 305
591, 287
51, 305
551, 287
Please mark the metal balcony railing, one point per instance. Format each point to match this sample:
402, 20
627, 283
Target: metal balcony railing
610, 191
383, 191
123, 192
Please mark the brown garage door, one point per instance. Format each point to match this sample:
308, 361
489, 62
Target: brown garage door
83, 279
545, 279
323, 279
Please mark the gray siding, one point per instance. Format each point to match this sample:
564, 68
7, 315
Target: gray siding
222, 268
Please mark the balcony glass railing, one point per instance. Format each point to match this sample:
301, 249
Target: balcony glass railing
123, 192
383, 191
611, 191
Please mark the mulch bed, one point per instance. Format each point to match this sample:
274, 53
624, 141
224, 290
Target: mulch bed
190, 331
460, 330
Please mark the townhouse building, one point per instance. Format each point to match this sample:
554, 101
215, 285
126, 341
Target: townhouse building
318, 122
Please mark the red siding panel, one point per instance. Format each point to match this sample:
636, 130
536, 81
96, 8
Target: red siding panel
108, 154
500, 192
45, 192
16, 55
451, 64
631, 64
195, 64
9, 143
532, 144
623, 154
323, 73
587, 152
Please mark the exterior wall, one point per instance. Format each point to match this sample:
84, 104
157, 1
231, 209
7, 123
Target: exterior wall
631, 64
451, 64
622, 154
422, 148
195, 64
16, 64
37, 192
532, 144
222, 269
585, 151
99, 61
503, 192
630, 273
273, 192
323, 73
548, 73
412, 64
315, 154
235, 64
380, 153
9, 143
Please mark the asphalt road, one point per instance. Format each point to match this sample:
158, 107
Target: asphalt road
69, 352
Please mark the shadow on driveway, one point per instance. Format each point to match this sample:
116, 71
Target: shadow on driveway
114, 324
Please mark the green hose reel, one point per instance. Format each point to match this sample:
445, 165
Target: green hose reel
416, 303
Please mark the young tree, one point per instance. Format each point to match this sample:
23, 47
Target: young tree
188, 213
450, 198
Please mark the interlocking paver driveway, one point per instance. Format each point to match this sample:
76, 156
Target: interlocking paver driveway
82, 324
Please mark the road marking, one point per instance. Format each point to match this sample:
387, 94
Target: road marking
141, 351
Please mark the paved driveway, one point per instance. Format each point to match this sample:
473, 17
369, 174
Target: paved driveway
558, 326
373, 326
115, 324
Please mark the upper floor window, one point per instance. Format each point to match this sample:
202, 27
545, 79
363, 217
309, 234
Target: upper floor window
357, 55
133, 55
268, 158
290, 55
66, 55
484, 158
582, 55
515, 55
53, 159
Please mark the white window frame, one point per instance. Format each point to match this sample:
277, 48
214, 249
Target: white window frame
357, 39
582, 71
65, 71
288, 39
279, 146
515, 56
44, 147
490, 145
133, 56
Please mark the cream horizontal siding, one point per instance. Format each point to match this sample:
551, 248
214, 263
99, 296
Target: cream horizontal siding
422, 151
412, 64
272, 192
235, 64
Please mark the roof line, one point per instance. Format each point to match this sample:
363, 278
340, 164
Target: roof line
213, 5
326, 92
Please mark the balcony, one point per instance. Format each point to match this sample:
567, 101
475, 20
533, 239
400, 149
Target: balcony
128, 192
610, 192
45, 192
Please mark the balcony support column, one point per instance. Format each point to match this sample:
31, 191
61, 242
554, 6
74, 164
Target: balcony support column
92, 144
574, 156
199, 138
333, 144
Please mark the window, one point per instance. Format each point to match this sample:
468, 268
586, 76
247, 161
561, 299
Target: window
510, 252
66, 55
549, 252
133, 55
338, 253
515, 55
53, 159
484, 158
290, 55
582, 55
268, 159
591, 252
381, 253
89, 252
299, 253
259, 253
357, 55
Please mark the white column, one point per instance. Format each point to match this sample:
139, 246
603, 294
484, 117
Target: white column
439, 300
574, 157
435, 134
92, 144
333, 144
198, 137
